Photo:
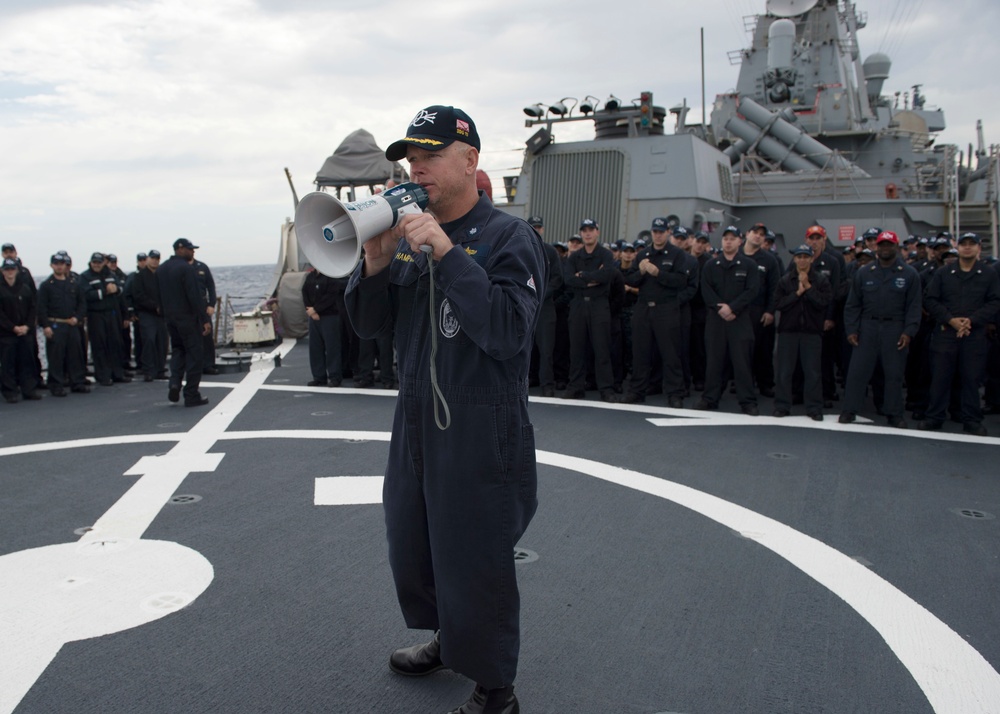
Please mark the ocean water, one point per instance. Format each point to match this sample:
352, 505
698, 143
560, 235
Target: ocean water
243, 285
241, 289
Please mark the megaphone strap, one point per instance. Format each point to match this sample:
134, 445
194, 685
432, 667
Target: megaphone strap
440, 405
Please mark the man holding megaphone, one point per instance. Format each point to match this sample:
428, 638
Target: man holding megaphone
456, 499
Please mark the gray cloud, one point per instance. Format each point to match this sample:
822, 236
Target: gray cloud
128, 121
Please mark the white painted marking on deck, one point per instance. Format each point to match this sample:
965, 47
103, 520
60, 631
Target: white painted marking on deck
829, 423
75, 591
954, 677
348, 490
110, 579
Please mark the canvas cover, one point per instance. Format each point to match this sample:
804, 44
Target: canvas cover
358, 161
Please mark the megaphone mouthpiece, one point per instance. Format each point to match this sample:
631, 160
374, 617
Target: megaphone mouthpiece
335, 230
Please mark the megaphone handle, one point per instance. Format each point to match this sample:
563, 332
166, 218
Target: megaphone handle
436, 393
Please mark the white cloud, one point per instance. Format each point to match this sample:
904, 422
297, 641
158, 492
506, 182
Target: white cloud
126, 124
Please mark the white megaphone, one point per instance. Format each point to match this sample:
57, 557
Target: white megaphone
331, 233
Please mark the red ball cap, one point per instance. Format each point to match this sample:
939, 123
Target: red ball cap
815, 230
887, 236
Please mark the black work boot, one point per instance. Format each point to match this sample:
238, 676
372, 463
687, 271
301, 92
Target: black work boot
490, 701
418, 660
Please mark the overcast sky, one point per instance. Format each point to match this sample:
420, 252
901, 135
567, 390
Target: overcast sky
124, 125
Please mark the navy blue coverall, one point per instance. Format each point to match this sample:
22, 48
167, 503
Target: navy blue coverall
735, 283
457, 501
883, 304
952, 293
657, 317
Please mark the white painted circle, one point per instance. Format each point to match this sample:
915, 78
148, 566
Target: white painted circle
73, 591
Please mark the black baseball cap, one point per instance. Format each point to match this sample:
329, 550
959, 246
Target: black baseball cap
802, 250
536, 222
575, 237
183, 243
970, 236
8, 246
681, 232
588, 223
154, 254
435, 128
702, 236
659, 224
141, 256
732, 229
57, 258
10, 264
97, 258
112, 258
627, 246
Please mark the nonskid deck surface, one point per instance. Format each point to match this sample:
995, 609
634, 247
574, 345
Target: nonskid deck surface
679, 561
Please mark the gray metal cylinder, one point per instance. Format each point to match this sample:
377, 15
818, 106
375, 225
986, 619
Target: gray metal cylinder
735, 150
780, 41
770, 147
793, 136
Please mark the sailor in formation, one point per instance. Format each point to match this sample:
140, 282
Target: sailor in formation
729, 284
103, 291
17, 333
963, 299
660, 274
881, 317
801, 300
62, 307
588, 273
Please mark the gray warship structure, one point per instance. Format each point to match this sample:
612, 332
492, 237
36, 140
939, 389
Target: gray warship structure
808, 136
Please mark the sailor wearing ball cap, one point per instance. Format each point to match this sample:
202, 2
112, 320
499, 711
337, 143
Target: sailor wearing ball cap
729, 283
588, 275
881, 317
801, 299
488, 275
182, 301
663, 274
17, 334
963, 299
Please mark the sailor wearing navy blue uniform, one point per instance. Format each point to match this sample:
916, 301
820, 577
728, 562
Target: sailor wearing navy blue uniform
183, 303
545, 330
17, 333
762, 308
963, 298
145, 290
588, 272
323, 297
61, 308
801, 299
831, 264
682, 238
729, 283
104, 320
456, 500
881, 316
661, 275
206, 283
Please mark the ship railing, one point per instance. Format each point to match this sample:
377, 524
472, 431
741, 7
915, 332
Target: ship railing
736, 56
224, 321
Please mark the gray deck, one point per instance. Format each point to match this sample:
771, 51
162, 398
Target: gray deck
687, 562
